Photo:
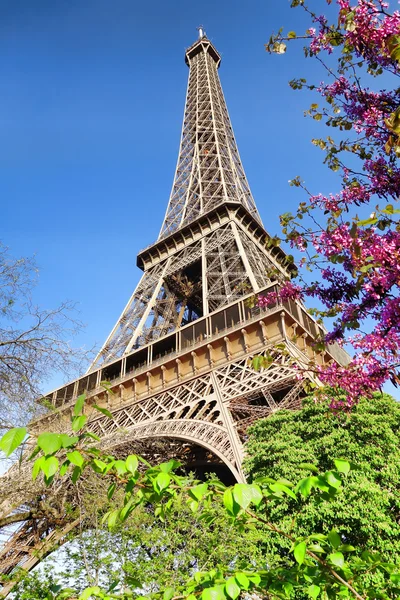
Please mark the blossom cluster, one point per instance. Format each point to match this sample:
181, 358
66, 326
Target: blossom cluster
288, 291
367, 27
358, 260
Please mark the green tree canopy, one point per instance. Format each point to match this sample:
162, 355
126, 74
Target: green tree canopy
367, 512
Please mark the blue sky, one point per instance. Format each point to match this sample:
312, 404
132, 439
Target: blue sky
91, 103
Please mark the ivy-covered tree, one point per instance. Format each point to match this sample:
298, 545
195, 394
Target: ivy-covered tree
290, 444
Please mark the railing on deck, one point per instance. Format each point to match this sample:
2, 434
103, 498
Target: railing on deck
204, 329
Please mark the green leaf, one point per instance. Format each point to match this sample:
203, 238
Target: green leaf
395, 54
64, 468
333, 479
92, 436
162, 481
49, 442
198, 491
113, 586
37, 467
135, 583
12, 440
67, 440
288, 589
366, 268
255, 578
75, 458
245, 493
90, 592
291, 35
305, 485
76, 473
230, 504
390, 210
316, 548
80, 401
281, 489
55, 588
113, 518
131, 483
79, 422
337, 559
322, 484
132, 463
346, 548
313, 591
104, 411
35, 452
99, 466
66, 594
255, 493
334, 539
318, 536
370, 221
242, 580
343, 466
257, 362
50, 466
111, 489
169, 466
168, 593
300, 552
120, 467
232, 588
213, 593
309, 467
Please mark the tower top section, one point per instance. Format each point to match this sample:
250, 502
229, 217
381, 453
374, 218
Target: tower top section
203, 44
209, 171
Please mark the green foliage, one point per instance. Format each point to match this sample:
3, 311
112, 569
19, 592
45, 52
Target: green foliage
367, 512
40, 585
295, 558
12, 440
149, 554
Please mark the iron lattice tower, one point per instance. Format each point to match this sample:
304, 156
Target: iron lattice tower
178, 287
177, 360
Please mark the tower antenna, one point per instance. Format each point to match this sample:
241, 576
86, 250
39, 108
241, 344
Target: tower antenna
201, 31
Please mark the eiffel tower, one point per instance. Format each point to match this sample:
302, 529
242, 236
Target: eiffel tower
177, 362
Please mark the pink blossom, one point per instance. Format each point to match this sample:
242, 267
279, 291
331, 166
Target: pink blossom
359, 264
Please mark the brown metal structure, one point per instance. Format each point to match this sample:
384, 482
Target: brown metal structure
177, 361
